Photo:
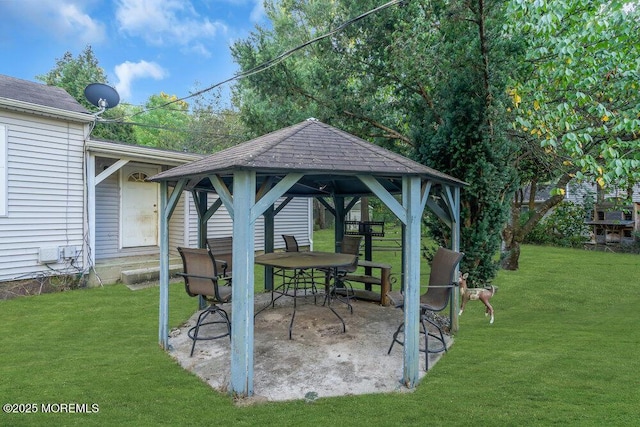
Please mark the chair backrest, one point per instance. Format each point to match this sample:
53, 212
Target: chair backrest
441, 279
349, 268
291, 243
351, 245
199, 272
222, 250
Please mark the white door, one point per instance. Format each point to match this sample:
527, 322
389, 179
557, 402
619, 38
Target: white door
139, 207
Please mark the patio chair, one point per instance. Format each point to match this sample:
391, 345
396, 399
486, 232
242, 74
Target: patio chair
351, 245
200, 273
222, 250
302, 282
342, 289
290, 242
438, 296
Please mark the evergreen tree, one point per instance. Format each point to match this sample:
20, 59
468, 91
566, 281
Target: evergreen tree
464, 135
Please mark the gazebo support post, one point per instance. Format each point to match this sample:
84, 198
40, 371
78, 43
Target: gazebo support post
167, 206
269, 244
244, 184
411, 203
455, 243
338, 231
200, 200
163, 329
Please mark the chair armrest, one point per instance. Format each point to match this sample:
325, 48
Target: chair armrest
213, 278
222, 265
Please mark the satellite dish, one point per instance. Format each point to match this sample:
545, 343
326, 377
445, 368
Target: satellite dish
102, 96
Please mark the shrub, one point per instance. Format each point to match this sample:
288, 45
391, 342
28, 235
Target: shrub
564, 226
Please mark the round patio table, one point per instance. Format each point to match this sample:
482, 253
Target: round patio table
298, 261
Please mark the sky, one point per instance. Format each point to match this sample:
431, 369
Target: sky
144, 46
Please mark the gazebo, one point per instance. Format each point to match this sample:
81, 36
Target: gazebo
309, 159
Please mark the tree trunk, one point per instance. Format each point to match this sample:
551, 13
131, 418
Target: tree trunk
511, 249
364, 209
514, 233
510, 240
319, 215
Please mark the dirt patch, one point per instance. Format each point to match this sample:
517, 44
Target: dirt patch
37, 286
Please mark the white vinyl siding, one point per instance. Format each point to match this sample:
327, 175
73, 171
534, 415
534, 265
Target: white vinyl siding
292, 219
578, 192
107, 218
44, 193
3, 170
43, 196
176, 227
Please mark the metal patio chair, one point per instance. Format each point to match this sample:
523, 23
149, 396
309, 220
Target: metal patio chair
290, 242
303, 281
200, 273
222, 250
438, 296
342, 289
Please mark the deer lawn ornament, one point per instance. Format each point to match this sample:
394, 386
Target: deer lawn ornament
482, 294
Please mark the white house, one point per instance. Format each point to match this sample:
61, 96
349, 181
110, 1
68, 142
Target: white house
73, 205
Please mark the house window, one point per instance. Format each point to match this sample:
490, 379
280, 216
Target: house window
137, 177
3, 171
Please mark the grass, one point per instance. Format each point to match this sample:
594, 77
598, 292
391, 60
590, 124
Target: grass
563, 350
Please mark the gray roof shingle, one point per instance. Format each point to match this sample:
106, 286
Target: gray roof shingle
311, 147
39, 94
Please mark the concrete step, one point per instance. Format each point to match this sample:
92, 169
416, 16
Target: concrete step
109, 271
130, 277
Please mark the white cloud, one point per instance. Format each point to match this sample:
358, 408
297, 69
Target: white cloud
257, 13
127, 72
63, 20
73, 21
199, 49
166, 22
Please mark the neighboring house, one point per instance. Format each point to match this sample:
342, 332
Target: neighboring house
72, 205
608, 222
576, 193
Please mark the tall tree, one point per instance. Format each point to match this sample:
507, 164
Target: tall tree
575, 104
213, 126
171, 123
465, 134
73, 75
162, 122
422, 80
430, 80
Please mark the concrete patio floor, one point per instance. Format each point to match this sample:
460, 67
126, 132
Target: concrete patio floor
320, 360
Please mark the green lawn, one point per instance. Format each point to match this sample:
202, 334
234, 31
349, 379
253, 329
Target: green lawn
563, 350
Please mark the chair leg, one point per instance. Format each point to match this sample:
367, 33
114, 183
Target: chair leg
395, 337
439, 337
424, 331
194, 331
305, 281
345, 287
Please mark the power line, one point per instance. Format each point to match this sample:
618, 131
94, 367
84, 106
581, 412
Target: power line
272, 62
167, 128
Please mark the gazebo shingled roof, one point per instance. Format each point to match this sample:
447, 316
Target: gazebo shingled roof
315, 148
